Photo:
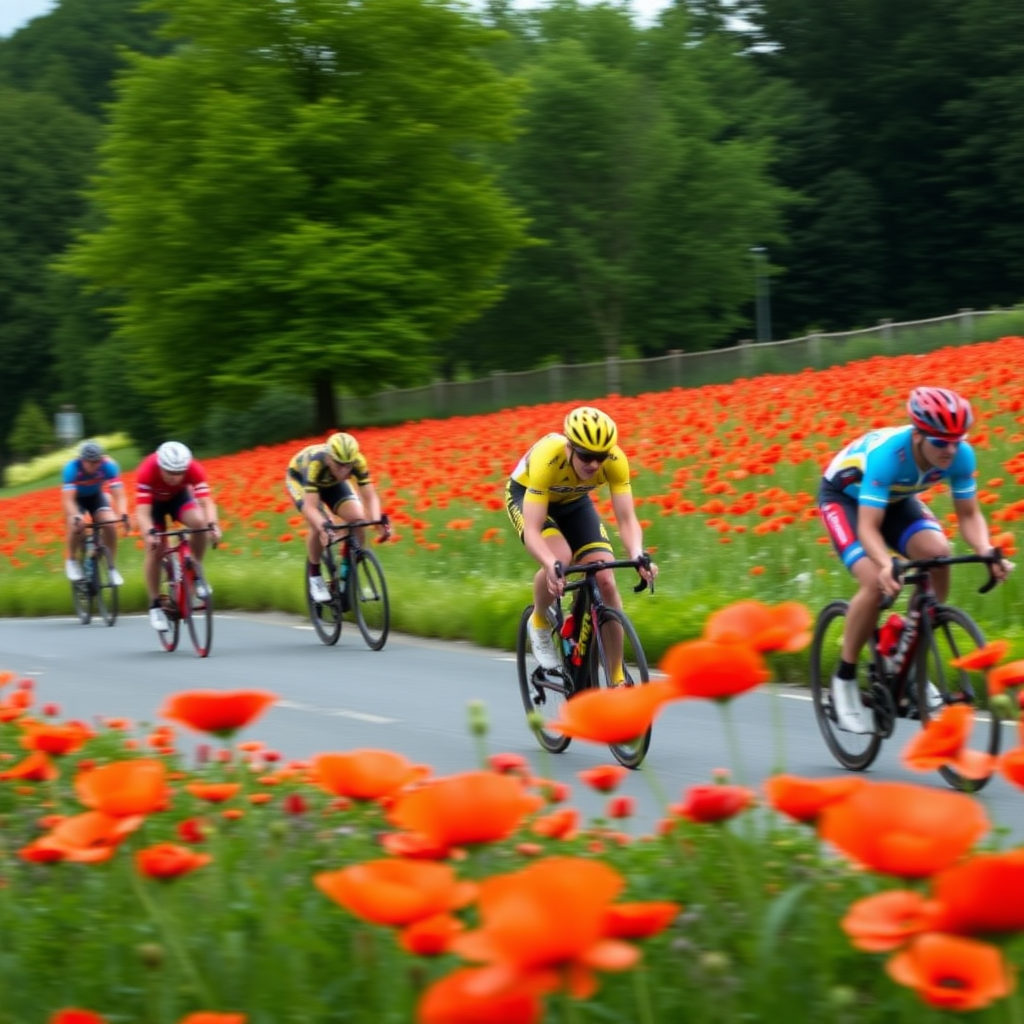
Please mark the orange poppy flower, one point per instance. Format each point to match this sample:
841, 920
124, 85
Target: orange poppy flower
454, 999
365, 774
213, 792
878, 924
72, 1016
87, 838
545, 926
414, 846
165, 861
208, 1017
713, 671
618, 715
430, 936
952, 973
395, 892
561, 823
37, 767
220, 712
604, 778
982, 896
1002, 677
639, 920
124, 788
804, 799
713, 802
472, 807
904, 830
784, 627
983, 657
943, 741
1011, 764
55, 740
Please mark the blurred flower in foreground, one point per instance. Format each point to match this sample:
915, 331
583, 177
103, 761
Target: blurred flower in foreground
709, 803
619, 715
365, 774
886, 921
803, 800
781, 627
220, 712
713, 671
943, 742
454, 999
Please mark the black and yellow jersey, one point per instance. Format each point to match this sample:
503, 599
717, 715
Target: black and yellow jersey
547, 474
309, 467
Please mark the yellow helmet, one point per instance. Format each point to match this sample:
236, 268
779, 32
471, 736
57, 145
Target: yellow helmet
591, 429
343, 447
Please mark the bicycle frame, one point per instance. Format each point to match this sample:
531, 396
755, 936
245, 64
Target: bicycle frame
180, 603
91, 588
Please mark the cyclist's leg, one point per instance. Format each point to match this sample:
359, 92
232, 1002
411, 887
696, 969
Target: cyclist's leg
554, 537
348, 507
922, 537
588, 537
151, 569
105, 514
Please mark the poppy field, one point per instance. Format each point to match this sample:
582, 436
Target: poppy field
226, 885
181, 871
725, 478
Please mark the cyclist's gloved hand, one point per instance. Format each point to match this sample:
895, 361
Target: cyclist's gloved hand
384, 529
154, 540
887, 583
555, 579
649, 570
1002, 568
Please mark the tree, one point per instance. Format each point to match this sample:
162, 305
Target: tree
45, 153
295, 197
32, 433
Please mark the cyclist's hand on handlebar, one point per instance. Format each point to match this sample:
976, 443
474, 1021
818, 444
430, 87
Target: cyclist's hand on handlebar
648, 570
888, 584
1001, 568
216, 531
324, 531
153, 540
384, 529
555, 579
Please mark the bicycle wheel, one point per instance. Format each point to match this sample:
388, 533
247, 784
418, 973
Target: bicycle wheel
198, 612
168, 601
81, 598
852, 750
325, 616
106, 593
634, 661
953, 633
368, 597
542, 692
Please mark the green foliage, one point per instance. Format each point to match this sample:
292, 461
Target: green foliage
296, 197
32, 433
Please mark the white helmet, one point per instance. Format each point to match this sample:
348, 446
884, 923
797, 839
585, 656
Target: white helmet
173, 457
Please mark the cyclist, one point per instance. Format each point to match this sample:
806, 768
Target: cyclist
548, 500
91, 482
170, 482
319, 480
869, 505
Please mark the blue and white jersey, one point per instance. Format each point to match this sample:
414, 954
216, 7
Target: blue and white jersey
85, 484
878, 469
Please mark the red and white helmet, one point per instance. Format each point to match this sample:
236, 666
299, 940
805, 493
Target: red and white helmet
940, 413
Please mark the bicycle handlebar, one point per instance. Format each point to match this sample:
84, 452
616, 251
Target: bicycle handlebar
589, 568
347, 528
183, 531
899, 566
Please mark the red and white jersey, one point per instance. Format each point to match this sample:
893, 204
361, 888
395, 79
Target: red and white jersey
151, 486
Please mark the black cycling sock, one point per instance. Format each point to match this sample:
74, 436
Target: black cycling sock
847, 670
155, 603
314, 570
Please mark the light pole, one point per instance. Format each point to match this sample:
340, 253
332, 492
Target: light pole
762, 293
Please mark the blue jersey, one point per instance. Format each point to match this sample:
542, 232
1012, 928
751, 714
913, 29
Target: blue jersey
85, 484
879, 469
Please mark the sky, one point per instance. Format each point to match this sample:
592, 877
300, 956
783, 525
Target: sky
15, 13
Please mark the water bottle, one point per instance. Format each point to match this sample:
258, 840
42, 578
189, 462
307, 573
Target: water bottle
889, 639
344, 566
90, 554
568, 625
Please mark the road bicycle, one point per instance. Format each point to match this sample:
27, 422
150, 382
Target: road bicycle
179, 576
356, 583
94, 589
912, 680
583, 664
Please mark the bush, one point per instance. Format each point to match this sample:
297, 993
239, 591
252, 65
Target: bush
32, 433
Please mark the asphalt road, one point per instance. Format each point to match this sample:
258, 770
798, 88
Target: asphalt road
412, 697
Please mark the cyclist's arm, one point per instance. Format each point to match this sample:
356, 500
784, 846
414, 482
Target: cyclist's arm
371, 505
973, 526
119, 499
629, 526
144, 520
209, 509
69, 500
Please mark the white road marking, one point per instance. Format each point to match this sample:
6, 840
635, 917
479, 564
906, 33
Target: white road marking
359, 716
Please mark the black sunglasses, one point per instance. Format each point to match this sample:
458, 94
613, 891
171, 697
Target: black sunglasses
587, 456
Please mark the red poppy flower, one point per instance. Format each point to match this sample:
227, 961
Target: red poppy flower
604, 778
56, 740
37, 767
365, 774
784, 627
983, 895
72, 1016
396, 892
208, 1017
87, 838
943, 741
165, 861
1003, 677
983, 657
472, 807
220, 712
455, 1000
639, 920
713, 802
619, 715
561, 823
213, 792
804, 799
125, 788
430, 936
714, 671
878, 924
1011, 764
902, 829
952, 973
